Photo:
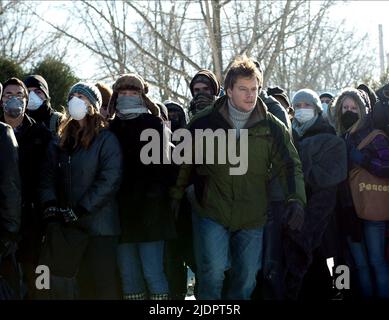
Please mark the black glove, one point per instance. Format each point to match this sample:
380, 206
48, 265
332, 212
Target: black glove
295, 215
52, 214
69, 216
72, 215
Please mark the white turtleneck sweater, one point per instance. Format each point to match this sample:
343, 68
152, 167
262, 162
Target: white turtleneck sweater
238, 118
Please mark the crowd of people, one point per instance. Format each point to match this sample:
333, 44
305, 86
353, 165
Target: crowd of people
76, 196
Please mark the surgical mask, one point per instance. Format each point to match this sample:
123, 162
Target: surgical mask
14, 107
77, 108
304, 115
130, 104
325, 107
34, 101
348, 119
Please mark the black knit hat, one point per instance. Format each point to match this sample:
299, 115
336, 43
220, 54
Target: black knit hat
37, 81
207, 77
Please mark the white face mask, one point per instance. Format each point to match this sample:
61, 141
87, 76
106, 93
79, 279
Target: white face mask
77, 108
34, 101
304, 115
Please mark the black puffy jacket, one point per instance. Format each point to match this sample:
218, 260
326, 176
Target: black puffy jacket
10, 193
87, 179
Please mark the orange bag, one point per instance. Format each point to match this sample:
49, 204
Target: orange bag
370, 193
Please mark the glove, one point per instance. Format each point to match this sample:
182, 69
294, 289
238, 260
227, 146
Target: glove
175, 206
356, 156
72, 215
295, 215
52, 214
69, 215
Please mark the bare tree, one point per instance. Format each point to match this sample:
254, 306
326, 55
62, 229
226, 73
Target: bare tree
20, 37
168, 41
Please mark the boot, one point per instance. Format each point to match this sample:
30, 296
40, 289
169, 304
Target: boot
135, 296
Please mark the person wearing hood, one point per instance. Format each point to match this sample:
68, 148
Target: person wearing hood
364, 229
82, 174
33, 139
146, 217
39, 107
373, 97
324, 159
205, 88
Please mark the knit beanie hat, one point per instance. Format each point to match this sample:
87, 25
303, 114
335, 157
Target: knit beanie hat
308, 96
132, 81
207, 77
37, 81
90, 91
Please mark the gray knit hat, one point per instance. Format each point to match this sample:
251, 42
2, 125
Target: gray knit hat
90, 91
307, 96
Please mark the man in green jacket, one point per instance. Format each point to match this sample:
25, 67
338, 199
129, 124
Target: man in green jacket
231, 208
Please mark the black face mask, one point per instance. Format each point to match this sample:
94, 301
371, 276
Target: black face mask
348, 119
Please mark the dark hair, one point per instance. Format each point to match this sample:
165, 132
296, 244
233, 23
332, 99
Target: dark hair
72, 135
242, 67
16, 82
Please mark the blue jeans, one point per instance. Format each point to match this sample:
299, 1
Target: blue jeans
217, 249
369, 258
140, 262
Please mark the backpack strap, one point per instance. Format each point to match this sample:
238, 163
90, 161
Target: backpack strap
54, 119
370, 137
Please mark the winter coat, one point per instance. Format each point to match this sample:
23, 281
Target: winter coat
33, 140
324, 160
87, 181
241, 201
46, 116
375, 161
144, 205
10, 188
277, 110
